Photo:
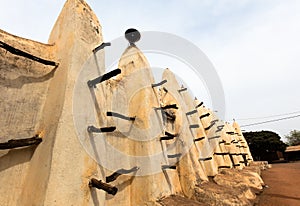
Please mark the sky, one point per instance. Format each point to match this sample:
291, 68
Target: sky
254, 45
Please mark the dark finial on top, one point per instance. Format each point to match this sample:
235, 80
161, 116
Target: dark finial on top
132, 35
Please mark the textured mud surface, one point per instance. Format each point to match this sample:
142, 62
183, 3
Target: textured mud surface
178, 200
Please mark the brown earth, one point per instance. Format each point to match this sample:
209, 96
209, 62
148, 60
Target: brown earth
176, 200
283, 181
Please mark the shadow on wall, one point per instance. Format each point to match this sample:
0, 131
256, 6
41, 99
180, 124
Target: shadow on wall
22, 80
94, 197
122, 186
15, 157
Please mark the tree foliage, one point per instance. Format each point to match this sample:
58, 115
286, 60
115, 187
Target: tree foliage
293, 138
263, 143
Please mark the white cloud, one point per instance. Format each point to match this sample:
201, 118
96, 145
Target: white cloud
29, 19
258, 63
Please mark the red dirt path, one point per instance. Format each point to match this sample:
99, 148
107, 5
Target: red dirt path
284, 185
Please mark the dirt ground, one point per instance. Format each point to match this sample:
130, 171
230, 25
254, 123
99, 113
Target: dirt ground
175, 200
283, 182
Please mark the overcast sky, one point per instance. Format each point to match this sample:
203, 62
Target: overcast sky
254, 45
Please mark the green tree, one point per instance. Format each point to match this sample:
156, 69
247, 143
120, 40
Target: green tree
263, 143
293, 138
